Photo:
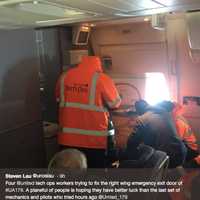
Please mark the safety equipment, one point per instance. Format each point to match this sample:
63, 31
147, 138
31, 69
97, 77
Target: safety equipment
185, 132
184, 129
84, 93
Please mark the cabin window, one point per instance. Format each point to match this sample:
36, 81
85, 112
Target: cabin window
156, 88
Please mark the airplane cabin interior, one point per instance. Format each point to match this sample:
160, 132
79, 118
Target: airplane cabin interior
150, 49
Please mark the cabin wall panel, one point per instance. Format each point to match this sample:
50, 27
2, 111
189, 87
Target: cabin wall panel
50, 68
135, 48
136, 58
187, 72
20, 101
127, 34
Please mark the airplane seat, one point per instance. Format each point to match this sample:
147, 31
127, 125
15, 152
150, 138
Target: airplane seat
145, 152
157, 161
152, 166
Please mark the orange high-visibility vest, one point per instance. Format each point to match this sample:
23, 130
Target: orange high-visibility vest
184, 130
84, 93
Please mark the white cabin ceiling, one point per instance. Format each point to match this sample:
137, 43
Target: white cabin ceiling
37, 13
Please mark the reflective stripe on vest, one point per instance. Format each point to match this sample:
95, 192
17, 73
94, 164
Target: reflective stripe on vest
91, 106
188, 131
84, 132
113, 103
93, 89
182, 119
84, 106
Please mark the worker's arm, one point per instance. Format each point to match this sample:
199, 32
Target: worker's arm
109, 92
185, 133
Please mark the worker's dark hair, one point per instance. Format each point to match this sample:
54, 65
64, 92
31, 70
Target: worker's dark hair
68, 159
167, 105
141, 107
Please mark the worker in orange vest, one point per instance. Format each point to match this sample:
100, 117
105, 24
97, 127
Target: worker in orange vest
85, 94
185, 133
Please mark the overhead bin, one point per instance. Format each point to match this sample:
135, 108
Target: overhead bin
193, 26
193, 23
40, 13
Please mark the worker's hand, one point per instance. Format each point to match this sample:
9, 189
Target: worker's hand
115, 164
